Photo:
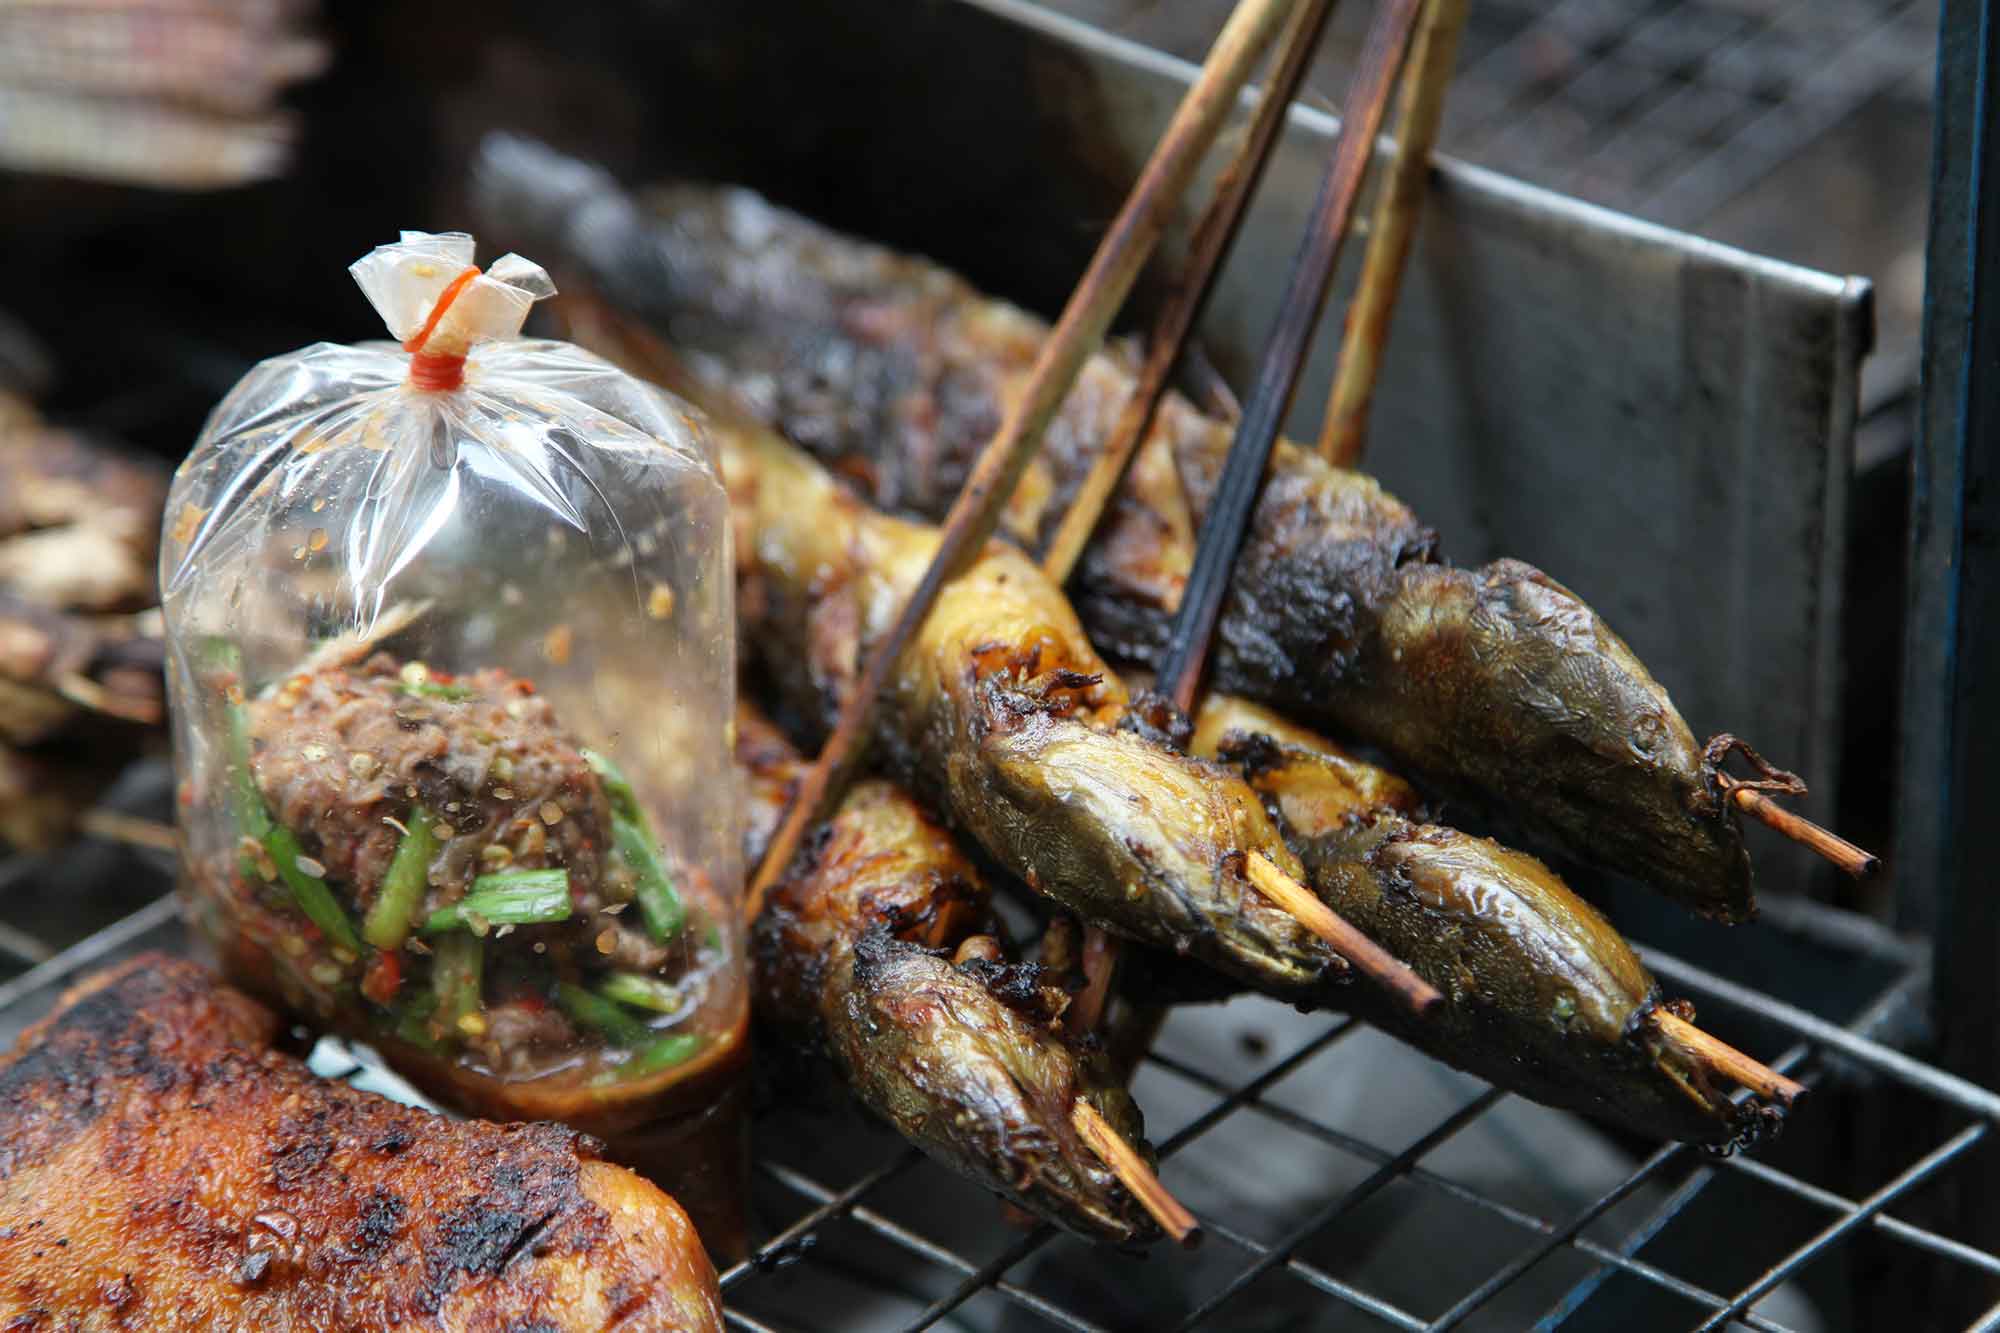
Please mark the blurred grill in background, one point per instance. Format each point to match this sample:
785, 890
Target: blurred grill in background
1799, 129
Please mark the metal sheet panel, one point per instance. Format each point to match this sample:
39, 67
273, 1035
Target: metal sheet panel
1662, 423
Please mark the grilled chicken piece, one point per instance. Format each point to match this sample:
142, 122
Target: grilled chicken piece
1495, 685
162, 1168
854, 953
1542, 996
1003, 716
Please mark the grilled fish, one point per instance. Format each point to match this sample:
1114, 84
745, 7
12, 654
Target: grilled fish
962, 1057
1003, 716
1494, 685
162, 1168
1542, 995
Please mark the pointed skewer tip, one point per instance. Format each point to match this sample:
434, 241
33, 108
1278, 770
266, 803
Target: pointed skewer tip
1855, 861
1134, 1173
1718, 1056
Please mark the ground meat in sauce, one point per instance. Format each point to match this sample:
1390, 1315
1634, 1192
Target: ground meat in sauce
339, 752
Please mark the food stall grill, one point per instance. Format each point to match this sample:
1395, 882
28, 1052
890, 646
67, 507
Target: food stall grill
1701, 403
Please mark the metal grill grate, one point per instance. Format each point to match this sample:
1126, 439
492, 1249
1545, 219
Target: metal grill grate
1815, 1048
1669, 108
881, 1219
1663, 108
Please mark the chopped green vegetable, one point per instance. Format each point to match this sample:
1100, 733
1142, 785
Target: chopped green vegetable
387, 924
600, 1015
413, 1021
429, 690
254, 820
663, 1054
642, 992
310, 892
224, 658
624, 801
514, 897
658, 902
457, 975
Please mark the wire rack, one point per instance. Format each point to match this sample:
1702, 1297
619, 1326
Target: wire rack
1663, 108
859, 1231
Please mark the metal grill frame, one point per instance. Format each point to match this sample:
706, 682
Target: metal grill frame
1815, 1050
1814, 1042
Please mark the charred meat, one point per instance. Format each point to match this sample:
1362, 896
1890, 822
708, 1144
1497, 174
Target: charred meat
164, 1168
855, 953
1495, 685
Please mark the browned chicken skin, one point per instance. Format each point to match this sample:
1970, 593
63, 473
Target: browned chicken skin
162, 1168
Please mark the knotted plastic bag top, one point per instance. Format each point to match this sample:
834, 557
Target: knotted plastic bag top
438, 303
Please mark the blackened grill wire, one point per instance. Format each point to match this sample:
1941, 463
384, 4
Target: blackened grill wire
1816, 1042
1817, 1039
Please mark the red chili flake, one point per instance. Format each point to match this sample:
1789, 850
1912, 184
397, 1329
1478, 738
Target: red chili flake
383, 978
522, 685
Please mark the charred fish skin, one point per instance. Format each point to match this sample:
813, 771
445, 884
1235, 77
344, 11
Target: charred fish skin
1542, 995
1001, 714
1495, 685
848, 955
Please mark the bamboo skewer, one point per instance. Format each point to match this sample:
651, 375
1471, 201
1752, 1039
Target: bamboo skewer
1368, 958
1213, 236
1392, 229
1100, 964
1722, 1058
1077, 335
129, 830
1165, 344
1855, 861
1284, 353
1135, 1175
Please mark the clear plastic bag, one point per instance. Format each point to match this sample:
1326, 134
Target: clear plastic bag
452, 668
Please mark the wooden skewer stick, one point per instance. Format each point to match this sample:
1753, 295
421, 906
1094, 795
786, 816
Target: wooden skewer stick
1392, 228
1100, 963
1213, 236
1725, 1059
1284, 353
1132, 1171
132, 831
1370, 959
1856, 861
1077, 336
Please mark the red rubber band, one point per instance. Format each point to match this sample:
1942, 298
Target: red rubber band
437, 371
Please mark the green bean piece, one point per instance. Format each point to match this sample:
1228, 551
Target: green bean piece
511, 898
310, 892
412, 1021
458, 965
222, 657
388, 921
430, 690
659, 904
642, 992
663, 1054
600, 1015
624, 801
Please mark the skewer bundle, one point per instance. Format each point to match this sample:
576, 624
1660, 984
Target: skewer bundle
889, 657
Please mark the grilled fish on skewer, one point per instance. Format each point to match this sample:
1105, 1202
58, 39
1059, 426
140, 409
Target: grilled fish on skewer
1496, 685
1543, 997
853, 951
1003, 716
165, 1169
